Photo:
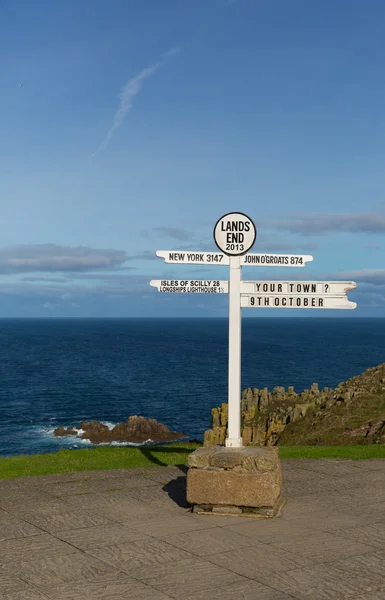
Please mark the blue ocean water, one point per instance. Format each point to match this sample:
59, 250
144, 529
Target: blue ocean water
59, 372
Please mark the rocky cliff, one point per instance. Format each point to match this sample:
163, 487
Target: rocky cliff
353, 412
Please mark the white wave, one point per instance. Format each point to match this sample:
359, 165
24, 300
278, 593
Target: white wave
113, 443
46, 431
82, 441
109, 424
69, 440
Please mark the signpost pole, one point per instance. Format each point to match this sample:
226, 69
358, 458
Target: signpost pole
234, 439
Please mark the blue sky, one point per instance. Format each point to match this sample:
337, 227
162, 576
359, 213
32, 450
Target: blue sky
127, 127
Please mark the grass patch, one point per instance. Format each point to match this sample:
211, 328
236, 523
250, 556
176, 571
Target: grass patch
103, 458
108, 458
352, 452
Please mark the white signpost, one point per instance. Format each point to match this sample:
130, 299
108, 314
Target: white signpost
235, 234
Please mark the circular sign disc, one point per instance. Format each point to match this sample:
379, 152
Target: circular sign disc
235, 234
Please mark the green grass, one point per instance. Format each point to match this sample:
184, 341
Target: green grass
353, 452
103, 458
107, 458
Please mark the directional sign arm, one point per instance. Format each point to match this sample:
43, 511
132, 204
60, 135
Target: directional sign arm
191, 286
296, 301
331, 288
196, 257
275, 260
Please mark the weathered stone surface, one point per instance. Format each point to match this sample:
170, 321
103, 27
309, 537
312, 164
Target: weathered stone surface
246, 458
227, 510
242, 511
368, 430
267, 461
231, 488
201, 457
230, 480
226, 458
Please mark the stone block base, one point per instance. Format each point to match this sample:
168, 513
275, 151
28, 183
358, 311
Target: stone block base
262, 512
243, 481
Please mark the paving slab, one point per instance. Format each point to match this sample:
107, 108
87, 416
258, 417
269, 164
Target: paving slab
53, 518
243, 590
320, 582
326, 520
13, 527
120, 507
121, 587
211, 541
371, 535
62, 568
99, 536
9, 584
188, 577
129, 533
72, 488
24, 595
141, 556
262, 558
322, 546
367, 565
34, 546
269, 531
164, 527
378, 595
14, 499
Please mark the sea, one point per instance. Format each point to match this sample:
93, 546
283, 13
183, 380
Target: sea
62, 371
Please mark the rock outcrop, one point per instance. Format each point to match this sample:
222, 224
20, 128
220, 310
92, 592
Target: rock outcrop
267, 417
135, 430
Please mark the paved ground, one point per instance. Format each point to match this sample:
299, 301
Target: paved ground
128, 534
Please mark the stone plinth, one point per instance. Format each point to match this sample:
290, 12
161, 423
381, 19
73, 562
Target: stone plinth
235, 481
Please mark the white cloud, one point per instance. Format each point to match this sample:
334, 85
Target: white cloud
174, 232
30, 258
131, 89
371, 276
313, 224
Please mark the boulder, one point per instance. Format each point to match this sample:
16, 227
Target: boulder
136, 429
367, 430
61, 431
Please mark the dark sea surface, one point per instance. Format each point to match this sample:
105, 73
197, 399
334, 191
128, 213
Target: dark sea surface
59, 372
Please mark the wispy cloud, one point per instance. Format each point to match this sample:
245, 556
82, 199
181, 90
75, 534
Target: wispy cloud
131, 89
175, 233
30, 258
370, 276
372, 246
321, 223
145, 255
282, 247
